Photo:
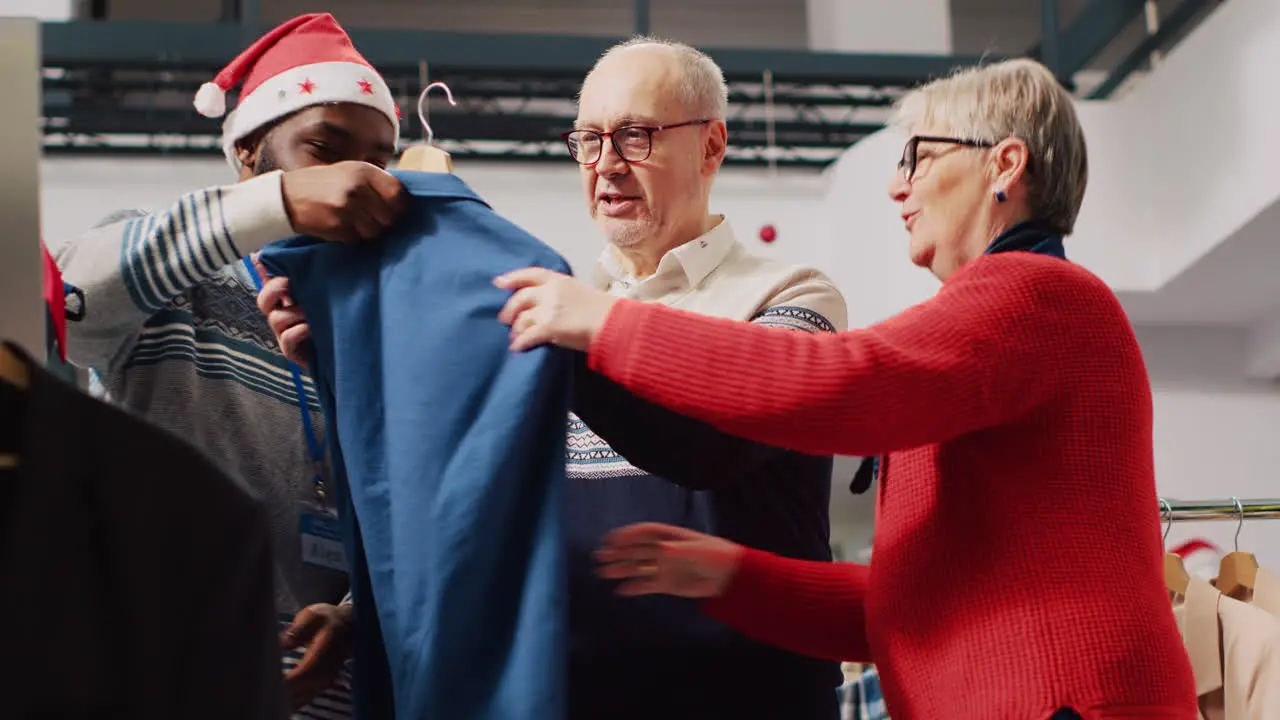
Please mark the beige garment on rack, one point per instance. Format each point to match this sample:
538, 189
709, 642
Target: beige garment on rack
1235, 654
1266, 592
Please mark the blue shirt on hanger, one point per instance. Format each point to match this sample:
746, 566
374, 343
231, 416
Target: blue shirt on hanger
448, 453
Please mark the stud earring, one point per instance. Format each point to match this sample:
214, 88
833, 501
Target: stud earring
1000, 196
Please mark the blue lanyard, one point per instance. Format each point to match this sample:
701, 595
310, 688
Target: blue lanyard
314, 444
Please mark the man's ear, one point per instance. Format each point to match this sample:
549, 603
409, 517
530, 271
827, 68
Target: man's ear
716, 146
247, 154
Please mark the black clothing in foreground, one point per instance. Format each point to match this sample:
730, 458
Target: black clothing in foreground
136, 576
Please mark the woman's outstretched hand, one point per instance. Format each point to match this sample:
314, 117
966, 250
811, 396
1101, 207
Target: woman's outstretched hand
547, 307
657, 559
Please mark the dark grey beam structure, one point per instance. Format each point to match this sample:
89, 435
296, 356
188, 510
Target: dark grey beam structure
641, 10
1170, 28
126, 87
66, 118
1050, 52
113, 79
124, 44
1092, 31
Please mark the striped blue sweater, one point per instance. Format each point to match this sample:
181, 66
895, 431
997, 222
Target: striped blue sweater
171, 332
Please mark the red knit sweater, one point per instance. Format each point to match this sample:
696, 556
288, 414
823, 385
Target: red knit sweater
1017, 564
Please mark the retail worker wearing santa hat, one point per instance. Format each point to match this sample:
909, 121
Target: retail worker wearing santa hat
171, 330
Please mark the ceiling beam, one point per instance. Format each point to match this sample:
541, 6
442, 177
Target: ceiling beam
123, 44
1170, 27
1092, 31
522, 127
56, 146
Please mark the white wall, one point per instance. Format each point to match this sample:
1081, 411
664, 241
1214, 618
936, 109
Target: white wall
903, 26
1220, 146
1219, 444
1214, 430
544, 199
43, 9
1177, 169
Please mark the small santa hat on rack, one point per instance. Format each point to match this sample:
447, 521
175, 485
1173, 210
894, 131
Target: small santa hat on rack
1199, 556
308, 60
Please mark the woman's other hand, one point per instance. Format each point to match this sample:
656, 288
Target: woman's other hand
656, 559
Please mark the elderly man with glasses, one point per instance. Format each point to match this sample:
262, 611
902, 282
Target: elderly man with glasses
650, 138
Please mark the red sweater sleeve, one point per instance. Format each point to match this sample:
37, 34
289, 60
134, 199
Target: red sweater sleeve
804, 606
986, 348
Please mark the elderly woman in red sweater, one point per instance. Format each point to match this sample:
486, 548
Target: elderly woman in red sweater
1017, 571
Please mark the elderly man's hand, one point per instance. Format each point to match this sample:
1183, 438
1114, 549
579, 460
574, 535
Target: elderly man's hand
550, 308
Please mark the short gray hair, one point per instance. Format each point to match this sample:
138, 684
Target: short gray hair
1016, 98
702, 86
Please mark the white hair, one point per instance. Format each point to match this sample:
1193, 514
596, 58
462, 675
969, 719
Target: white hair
702, 86
1021, 99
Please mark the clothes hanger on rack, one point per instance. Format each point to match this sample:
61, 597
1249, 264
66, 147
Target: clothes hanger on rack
1176, 577
14, 378
1238, 571
425, 157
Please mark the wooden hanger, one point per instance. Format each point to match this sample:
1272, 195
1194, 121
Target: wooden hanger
426, 157
14, 372
1176, 577
1238, 571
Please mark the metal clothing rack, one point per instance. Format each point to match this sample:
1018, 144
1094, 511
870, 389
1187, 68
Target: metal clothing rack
1230, 509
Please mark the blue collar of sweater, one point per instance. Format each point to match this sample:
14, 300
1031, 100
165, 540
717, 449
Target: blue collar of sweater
1033, 236
436, 185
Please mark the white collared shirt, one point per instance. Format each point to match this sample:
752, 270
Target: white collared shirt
715, 275
683, 267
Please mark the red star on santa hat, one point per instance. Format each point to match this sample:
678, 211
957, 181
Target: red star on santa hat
366, 87
306, 86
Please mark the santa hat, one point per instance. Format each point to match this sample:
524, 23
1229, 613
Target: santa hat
306, 61
1200, 557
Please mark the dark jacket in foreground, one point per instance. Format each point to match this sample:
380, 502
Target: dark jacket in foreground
136, 576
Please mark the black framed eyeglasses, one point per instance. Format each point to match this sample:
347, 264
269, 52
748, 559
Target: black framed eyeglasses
910, 157
633, 143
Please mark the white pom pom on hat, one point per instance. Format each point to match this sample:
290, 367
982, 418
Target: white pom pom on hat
211, 101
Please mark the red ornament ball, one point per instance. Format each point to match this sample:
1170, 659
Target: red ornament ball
768, 233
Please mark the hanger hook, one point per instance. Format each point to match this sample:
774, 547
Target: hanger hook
1168, 516
1240, 523
422, 106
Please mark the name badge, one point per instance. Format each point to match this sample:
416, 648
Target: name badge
322, 540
